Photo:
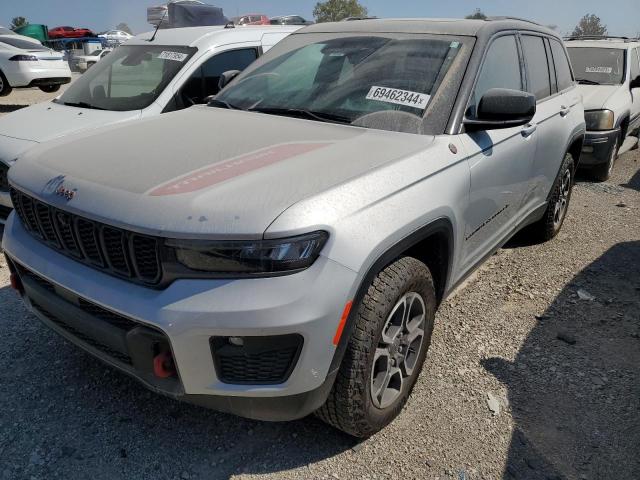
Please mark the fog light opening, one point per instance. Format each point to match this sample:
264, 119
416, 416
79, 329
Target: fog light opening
163, 365
236, 341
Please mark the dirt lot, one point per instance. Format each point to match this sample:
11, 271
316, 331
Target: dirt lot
548, 336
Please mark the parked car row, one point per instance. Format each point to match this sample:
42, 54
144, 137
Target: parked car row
281, 247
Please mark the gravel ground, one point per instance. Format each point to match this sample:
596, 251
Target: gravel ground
532, 374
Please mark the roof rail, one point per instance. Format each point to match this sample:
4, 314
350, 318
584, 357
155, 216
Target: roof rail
513, 18
571, 38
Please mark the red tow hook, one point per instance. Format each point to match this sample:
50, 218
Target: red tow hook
163, 365
16, 283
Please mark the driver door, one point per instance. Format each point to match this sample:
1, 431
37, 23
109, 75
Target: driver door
500, 160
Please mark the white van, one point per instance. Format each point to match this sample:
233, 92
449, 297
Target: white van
146, 76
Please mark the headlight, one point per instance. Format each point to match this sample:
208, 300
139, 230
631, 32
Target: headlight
599, 119
24, 58
252, 257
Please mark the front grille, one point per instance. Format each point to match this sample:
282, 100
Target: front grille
115, 320
258, 360
95, 343
113, 250
4, 181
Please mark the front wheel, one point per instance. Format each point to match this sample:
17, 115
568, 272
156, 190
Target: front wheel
386, 351
550, 224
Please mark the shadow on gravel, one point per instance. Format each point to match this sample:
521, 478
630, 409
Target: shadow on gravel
634, 183
65, 415
574, 387
11, 108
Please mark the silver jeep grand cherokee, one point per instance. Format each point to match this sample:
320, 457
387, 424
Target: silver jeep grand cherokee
283, 250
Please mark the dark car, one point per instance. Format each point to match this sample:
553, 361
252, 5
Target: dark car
70, 32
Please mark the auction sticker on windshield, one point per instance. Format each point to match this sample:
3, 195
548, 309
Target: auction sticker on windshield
399, 97
175, 56
599, 70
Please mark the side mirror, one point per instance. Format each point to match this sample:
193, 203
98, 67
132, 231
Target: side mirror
227, 77
502, 108
635, 83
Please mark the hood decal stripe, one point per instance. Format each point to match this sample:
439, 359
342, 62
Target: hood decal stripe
219, 172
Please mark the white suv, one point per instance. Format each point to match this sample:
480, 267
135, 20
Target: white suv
608, 71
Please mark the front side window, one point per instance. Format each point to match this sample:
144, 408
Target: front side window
535, 57
500, 69
204, 81
597, 66
129, 78
385, 81
561, 62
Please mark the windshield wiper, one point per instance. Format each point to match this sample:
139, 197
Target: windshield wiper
585, 81
222, 104
300, 112
82, 105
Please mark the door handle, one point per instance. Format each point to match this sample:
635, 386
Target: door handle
529, 129
564, 111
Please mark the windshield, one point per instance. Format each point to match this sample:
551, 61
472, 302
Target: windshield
385, 81
598, 66
23, 44
129, 78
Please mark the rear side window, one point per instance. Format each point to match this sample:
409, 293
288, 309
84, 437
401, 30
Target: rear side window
563, 70
535, 56
635, 64
501, 69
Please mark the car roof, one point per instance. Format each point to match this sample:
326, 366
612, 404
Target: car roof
201, 37
619, 43
442, 26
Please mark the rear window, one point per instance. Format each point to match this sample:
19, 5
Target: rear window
563, 70
602, 66
20, 43
537, 67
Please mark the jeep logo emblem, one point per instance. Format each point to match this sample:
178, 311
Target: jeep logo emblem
64, 192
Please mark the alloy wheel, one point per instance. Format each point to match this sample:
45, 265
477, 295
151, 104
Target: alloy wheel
398, 350
562, 202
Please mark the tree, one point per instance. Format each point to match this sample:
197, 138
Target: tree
336, 10
589, 25
477, 15
18, 22
124, 27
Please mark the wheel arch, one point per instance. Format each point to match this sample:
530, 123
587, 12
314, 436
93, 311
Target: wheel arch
432, 244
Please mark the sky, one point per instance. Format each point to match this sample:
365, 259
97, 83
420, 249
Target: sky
622, 17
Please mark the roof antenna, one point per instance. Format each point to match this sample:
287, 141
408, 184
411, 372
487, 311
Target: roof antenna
153, 37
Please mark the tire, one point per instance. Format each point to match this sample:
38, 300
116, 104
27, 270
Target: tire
601, 173
49, 88
550, 224
5, 88
351, 406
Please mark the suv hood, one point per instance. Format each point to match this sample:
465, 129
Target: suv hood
595, 97
204, 172
49, 120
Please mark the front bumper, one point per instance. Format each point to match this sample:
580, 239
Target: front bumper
597, 147
190, 312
